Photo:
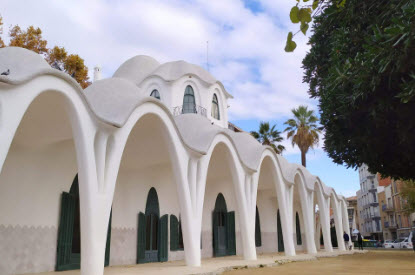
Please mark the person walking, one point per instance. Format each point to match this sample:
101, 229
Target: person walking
346, 240
360, 241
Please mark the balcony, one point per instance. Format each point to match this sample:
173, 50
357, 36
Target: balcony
178, 110
387, 208
390, 225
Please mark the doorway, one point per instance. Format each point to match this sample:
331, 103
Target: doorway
223, 229
280, 236
69, 235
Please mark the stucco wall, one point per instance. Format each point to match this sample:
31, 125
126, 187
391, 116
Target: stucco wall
31, 185
267, 207
129, 199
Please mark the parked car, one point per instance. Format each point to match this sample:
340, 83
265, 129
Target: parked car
388, 244
392, 244
405, 243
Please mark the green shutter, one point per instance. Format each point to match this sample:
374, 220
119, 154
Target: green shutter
174, 234
215, 223
162, 246
108, 246
280, 236
333, 237
141, 238
230, 230
63, 259
298, 229
258, 241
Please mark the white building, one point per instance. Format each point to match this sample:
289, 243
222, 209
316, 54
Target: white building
368, 204
148, 155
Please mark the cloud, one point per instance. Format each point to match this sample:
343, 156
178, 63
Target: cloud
245, 46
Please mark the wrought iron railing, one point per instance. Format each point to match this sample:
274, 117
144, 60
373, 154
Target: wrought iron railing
178, 110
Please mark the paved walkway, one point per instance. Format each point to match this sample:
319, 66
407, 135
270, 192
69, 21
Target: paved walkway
211, 265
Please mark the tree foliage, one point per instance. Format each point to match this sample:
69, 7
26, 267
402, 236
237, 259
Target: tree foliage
408, 194
1, 32
30, 39
361, 68
269, 136
302, 13
57, 57
303, 130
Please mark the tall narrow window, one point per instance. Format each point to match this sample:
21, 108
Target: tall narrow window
189, 104
155, 94
258, 241
180, 245
215, 107
297, 229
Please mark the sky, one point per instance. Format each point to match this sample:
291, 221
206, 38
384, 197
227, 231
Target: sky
245, 50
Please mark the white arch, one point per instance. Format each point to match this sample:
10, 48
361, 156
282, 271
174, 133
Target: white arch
284, 192
306, 201
324, 215
17, 100
239, 184
337, 213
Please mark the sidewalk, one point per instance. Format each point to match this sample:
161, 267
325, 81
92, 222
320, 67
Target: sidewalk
211, 265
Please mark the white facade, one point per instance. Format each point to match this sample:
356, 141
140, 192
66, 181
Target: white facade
368, 203
121, 142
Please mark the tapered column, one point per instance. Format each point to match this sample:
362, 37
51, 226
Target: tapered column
325, 223
308, 217
337, 213
285, 197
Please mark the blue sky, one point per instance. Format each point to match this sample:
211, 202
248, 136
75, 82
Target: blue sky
246, 42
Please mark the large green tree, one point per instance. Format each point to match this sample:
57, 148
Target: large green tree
267, 135
303, 130
361, 68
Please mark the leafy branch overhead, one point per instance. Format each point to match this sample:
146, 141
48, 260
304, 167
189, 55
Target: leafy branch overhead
361, 69
302, 13
57, 57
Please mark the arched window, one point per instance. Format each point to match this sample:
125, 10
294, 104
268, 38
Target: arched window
155, 94
215, 107
189, 105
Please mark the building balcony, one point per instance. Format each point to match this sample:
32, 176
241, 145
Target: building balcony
390, 225
179, 110
386, 208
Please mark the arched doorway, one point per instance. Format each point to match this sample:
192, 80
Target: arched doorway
223, 229
152, 232
298, 229
258, 240
280, 236
69, 236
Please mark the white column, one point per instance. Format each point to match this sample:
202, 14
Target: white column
285, 203
246, 219
345, 216
308, 216
337, 213
191, 217
325, 223
317, 233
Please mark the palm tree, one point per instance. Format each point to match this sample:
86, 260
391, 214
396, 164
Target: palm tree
303, 130
269, 136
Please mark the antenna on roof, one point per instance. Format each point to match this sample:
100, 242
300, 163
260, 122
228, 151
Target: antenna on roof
207, 55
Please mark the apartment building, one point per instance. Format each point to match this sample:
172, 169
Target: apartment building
368, 204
